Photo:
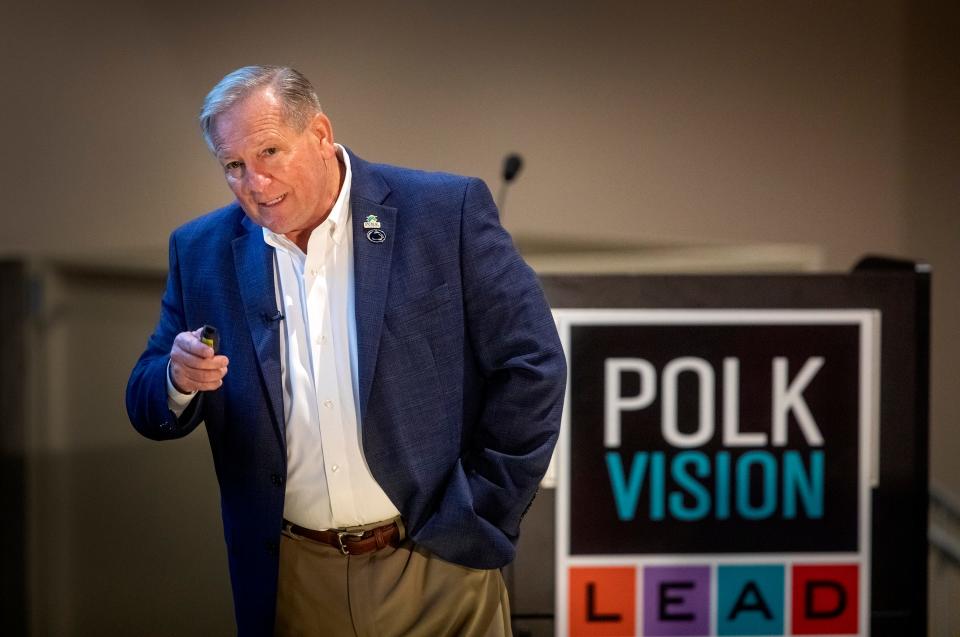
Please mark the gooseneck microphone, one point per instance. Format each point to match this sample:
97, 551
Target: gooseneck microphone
512, 165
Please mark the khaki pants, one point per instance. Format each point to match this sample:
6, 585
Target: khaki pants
404, 591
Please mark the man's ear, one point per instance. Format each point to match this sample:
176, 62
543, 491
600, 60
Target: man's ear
322, 129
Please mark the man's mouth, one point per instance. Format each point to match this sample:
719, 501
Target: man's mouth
272, 202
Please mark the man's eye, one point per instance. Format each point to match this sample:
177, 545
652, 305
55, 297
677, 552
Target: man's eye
269, 151
232, 166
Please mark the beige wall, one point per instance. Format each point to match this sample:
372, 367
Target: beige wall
748, 121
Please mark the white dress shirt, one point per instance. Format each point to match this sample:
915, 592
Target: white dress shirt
329, 484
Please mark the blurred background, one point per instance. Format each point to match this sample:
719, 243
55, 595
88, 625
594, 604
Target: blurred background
682, 136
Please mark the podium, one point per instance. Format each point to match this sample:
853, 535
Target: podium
740, 455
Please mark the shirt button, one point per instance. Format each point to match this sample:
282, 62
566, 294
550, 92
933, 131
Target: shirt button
328, 404
335, 468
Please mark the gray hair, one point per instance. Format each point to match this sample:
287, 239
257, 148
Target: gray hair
297, 97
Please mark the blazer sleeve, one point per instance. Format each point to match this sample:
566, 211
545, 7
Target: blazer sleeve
514, 338
146, 396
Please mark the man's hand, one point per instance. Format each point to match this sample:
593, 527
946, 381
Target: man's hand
193, 365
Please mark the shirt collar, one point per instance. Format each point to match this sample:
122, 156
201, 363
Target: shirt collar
338, 219
340, 213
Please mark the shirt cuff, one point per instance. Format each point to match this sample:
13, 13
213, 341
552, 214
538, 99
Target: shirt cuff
176, 400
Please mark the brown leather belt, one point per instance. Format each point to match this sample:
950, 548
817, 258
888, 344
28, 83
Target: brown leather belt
351, 542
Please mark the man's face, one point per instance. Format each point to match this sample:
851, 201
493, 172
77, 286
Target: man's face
285, 180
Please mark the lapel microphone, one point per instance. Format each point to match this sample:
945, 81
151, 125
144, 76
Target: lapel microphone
273, 318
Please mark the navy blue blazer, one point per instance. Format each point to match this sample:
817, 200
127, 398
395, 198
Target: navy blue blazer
461, 372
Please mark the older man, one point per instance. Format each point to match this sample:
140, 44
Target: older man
395, 378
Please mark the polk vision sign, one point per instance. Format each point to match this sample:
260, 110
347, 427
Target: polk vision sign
715, 472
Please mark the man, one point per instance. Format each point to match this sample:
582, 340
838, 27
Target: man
395, 378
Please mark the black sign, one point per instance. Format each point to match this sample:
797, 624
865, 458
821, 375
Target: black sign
714, 438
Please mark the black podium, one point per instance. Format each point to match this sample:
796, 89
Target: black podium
741, 455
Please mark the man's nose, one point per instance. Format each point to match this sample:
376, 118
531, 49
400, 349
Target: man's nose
257, 181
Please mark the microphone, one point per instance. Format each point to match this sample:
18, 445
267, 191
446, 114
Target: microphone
512, 165
273, 318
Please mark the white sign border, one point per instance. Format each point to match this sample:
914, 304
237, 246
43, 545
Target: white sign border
868, 320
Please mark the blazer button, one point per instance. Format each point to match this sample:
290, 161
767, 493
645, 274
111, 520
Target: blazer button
272, 548
276, 479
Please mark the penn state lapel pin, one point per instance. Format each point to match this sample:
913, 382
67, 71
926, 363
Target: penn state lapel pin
374, 233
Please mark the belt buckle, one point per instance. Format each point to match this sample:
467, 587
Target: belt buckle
343, 534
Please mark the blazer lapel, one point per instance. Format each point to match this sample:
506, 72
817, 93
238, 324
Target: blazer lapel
371, 262
254, 263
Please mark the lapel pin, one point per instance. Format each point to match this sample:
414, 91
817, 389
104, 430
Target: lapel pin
376, 235
371, 222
